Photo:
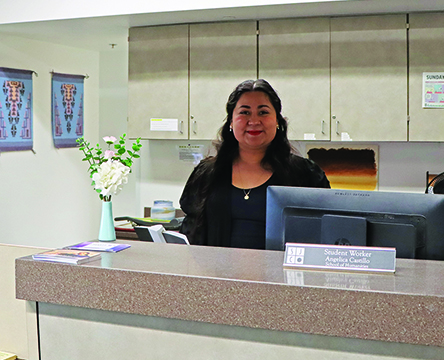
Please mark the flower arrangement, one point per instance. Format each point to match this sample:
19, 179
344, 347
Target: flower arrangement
109, 169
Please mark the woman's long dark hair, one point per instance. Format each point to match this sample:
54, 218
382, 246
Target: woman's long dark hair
278, 151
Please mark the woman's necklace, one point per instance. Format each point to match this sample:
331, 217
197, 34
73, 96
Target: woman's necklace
258, 177
247, 194
246, 191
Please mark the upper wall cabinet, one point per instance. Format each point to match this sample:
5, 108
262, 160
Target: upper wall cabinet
222, 55
180, 77
369, 78
426, 42
158, 82
294, 56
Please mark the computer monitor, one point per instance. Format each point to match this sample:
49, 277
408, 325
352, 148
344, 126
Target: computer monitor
413, 223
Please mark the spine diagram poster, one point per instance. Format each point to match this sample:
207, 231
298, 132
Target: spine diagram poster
67, 109
15, 110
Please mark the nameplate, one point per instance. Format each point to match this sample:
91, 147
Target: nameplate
345, 258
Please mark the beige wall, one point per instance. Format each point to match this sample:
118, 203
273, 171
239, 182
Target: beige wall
46, 197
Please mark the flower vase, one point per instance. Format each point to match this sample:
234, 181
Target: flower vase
107, 231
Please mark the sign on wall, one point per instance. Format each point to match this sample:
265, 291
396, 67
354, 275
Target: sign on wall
433, 90
16, 110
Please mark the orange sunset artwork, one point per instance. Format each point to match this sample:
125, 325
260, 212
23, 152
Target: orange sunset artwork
348, 168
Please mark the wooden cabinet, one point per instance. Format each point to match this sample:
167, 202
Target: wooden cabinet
222, 55
294, 56
185, 73
340, 79
426, 44
158, 81
369, 78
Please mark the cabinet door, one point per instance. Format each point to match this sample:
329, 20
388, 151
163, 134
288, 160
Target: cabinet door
369, 78
222, 55
294, 58
426, 49
158, 82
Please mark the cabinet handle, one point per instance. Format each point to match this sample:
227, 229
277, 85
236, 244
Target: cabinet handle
337, 127
181, 127
194, 127
322, 127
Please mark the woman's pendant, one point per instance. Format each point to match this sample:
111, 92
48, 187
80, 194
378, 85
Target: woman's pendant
246, 197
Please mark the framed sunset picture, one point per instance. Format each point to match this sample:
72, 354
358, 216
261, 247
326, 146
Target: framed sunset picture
352, 167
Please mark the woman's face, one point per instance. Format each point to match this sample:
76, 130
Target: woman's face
254, 121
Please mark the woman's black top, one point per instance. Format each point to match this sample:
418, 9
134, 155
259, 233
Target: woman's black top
248, 217
216, 211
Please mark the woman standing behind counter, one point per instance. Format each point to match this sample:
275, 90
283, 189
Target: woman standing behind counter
224, 198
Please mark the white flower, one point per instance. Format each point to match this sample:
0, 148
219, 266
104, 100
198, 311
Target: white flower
109, 139
110, 177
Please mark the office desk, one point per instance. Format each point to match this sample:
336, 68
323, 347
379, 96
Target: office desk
176, 300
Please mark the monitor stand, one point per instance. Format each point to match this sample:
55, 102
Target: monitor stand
343, 230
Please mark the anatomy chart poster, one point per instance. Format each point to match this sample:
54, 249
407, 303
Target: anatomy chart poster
67, 109
15, 110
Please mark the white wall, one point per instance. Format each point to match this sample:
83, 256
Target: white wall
46, 197
113, 105
25, 10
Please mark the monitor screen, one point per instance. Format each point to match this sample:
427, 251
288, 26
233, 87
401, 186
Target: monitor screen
413, 223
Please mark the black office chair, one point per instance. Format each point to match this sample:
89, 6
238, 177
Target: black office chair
436, 185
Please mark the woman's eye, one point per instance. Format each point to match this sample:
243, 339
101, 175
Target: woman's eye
263, 112
244, 112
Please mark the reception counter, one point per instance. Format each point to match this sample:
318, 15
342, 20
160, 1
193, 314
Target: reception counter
188, 301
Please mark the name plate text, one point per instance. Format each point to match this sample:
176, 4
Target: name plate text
346, 258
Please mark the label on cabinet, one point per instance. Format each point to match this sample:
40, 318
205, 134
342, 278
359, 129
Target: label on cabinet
345, 137
309, 136
164, 124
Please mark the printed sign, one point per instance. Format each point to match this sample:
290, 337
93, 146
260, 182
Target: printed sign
433, 90
191, 153
164, 125
348, 258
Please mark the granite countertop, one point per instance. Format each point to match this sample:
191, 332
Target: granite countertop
247, 288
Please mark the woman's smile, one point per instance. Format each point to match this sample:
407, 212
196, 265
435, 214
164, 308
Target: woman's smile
254, 121
254, 132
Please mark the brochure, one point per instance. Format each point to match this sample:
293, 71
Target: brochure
67, 256
99, 246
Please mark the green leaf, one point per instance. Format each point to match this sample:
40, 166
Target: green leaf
136, 156
121, 151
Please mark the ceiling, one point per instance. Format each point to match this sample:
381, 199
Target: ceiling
98, 33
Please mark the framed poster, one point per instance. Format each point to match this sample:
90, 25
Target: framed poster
351, 167
67, 109
16, 110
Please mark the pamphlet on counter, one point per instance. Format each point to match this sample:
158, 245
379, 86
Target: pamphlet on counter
67, 256
99, 246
